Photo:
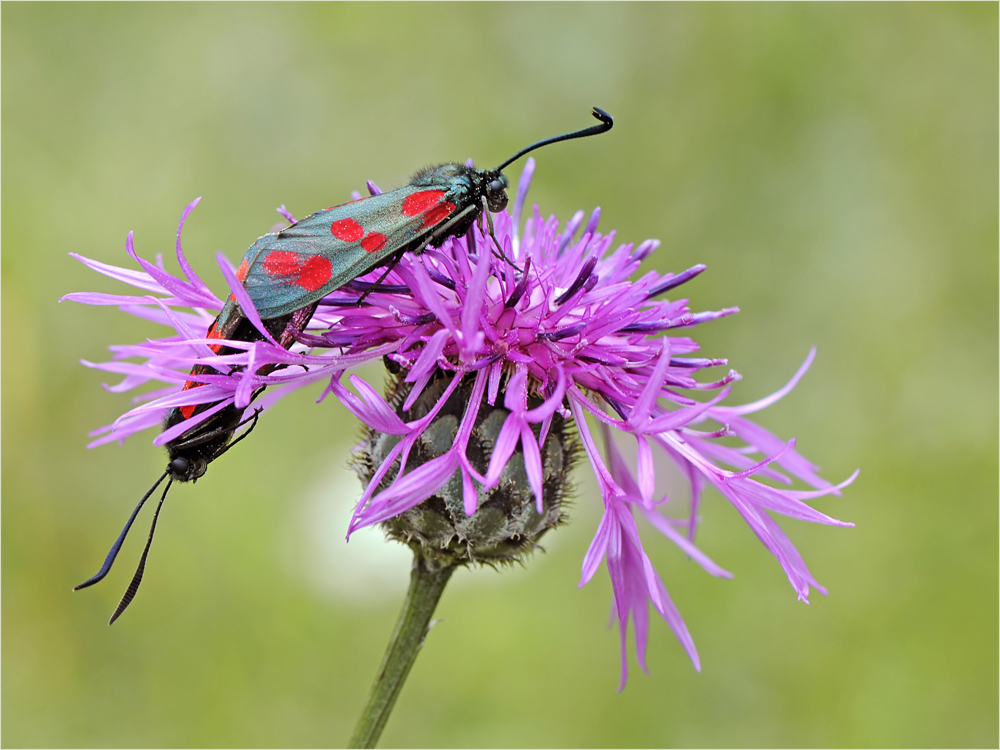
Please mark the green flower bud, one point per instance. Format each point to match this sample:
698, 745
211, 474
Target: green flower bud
507, 525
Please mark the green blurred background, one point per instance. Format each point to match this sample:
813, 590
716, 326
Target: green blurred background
835, 166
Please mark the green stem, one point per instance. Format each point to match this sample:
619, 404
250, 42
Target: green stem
427, 582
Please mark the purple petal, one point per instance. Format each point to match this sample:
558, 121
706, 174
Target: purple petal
603, 475
182, 328
532, 464
247, 380
287, 214
667, 529
767, 443
372, 412
424, 288
523, 183
780, 393
97, 298
376, 479
428, 358
469, 497
126, 428
173, 285
598, 548
182, 261
571, 226
516, 396
496, 370
643, 251
471, 410
820, 493
676, 623
795, 560
614, 558
779, 502
640, 620
595, 219
472, 307
411, 490
503, 449
135, 278
629, 530
553, 402
423, 422
647, 400
671, 282
645, 470
417, 390
378, 405
677, 419
623, 634
172, 433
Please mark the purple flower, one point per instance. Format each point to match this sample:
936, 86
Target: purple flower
564, 334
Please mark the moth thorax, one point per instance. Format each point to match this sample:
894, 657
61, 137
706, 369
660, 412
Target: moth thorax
507, 525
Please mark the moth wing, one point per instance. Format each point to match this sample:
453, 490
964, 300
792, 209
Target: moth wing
297, 266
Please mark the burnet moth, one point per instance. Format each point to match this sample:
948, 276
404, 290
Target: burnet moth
286, 274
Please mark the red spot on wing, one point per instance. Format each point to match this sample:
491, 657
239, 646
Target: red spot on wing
187, 411
439, 213
347, 230
420, 202
213, 333
315, 273
282, 263
373, 242
241, 272
310, 272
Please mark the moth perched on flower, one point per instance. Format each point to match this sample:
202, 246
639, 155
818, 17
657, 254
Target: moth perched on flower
501, 374
284, 277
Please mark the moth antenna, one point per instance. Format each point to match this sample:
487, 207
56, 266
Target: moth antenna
110, 559
606, 124
133, 586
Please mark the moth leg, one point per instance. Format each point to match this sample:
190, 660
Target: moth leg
438, 234
252, 420
212, 434
445, 230
298, 322
374, 287
500, 254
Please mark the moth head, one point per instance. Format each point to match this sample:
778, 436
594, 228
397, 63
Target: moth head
496, 191
187, 469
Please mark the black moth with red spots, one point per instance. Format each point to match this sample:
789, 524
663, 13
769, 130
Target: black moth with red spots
285, 275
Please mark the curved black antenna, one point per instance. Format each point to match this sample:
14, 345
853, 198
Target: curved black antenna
133, 586
606, 124
110, 559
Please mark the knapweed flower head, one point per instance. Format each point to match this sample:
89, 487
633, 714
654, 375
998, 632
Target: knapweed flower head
494, 365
